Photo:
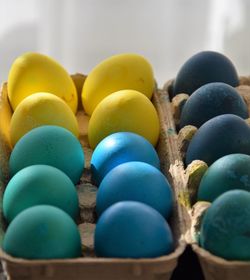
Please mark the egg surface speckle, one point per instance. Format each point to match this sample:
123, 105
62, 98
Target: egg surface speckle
220, 136
210, 101
227, 173
225, 227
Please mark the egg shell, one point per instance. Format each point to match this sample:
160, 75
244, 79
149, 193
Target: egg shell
119, 148
226, 225
211, 100
220, 136
118, 72
39, 184
135, 181
125, 110
132, 229
227, 173
42, 232
41, 109
49, 145
35, 72
203, 68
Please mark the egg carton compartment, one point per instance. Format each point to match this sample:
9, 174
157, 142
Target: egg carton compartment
189, 177
89, 266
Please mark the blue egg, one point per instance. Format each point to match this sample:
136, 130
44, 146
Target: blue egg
135, 181
220, 136
42, 232
39, 184
49, 145
227, 173
210, 101
203, 68
118, 148
225, 227
131, 229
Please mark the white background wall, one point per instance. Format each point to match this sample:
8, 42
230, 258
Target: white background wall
80, 33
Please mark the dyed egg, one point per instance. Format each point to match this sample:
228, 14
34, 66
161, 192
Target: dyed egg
135, 181
210, 101
203, 68
125, 110
118, 72
49, 145
220, 136
35, 72
124, 231
39, 184
226, 225
119, 148
227, 173
41, 109
42, 232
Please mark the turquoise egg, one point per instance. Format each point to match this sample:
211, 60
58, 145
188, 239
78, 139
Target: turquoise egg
42, 232
39, 184
225, 174
119, 148
131, 229
49, 145
135, 181
225, 228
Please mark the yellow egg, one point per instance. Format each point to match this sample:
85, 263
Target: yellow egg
34, 72
125, 110
124, 71
41, 109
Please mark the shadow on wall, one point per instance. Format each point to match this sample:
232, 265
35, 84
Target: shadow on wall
14, 42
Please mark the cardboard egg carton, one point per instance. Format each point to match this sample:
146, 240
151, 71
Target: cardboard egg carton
188, 179
89, 266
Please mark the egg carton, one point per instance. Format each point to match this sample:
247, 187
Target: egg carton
89, 266
187, 180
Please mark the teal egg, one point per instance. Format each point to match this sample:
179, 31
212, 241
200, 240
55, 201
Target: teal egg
225, 228
42, 232
39, 184
49, 145
131, 229
225, 174
135, 181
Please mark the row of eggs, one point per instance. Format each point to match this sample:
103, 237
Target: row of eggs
48, 145
223, 142
127, 168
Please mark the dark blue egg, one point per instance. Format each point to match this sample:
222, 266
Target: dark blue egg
118, 148
210, 101
225, 227
220, 136
49, 145
203, 68
131, 229
227, 173
135, 181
